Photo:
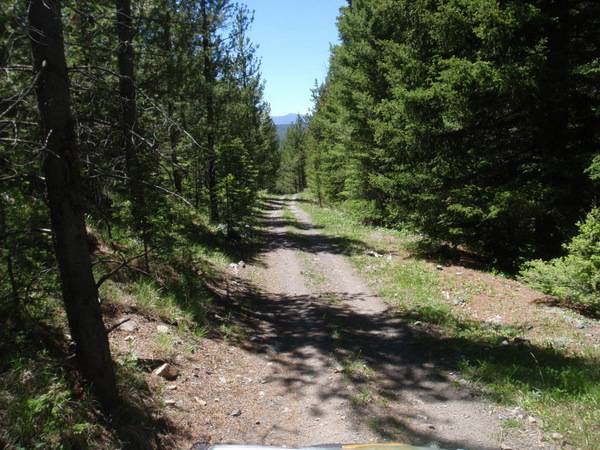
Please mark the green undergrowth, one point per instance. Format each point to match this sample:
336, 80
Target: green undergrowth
40, 409
177, 279
557, 386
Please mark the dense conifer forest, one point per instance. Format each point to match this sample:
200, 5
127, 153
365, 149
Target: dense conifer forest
141, 126
475, 122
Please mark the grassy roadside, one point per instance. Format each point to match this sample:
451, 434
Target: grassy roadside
550, 372
43, 403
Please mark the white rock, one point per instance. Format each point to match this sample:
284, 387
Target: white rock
162, 329
557, 436
167, 371
130, 325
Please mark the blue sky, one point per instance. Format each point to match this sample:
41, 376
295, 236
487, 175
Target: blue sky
294, 38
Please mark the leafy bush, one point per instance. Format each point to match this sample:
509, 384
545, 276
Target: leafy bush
576, 276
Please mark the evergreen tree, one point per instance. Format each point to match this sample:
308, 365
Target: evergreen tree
61, 170
292, 171
473, 121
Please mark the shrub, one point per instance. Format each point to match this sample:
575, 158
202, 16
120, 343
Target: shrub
576, 276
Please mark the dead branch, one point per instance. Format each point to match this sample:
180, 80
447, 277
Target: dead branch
122, 264
27, 231
27, 91
160, 188
117, 325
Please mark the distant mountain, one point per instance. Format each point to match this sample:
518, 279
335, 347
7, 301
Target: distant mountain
281, 130
285, 120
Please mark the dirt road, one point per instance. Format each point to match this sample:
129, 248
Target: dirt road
343, 368
308, 354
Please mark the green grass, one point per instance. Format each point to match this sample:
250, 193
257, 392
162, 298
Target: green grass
553, 384
43, 403
39, 409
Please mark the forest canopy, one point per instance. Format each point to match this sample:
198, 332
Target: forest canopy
118, 122
473, 122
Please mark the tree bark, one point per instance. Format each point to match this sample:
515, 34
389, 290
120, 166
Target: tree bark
209, 80
127, 93
61, 169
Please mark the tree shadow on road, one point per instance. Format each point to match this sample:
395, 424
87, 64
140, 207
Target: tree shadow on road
385, 365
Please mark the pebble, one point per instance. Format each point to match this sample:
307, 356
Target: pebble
130, 325
167, 371
557, 436
162, 329
236, 413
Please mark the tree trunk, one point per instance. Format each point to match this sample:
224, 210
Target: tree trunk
133, 164
61, 169
209, 80
127, 84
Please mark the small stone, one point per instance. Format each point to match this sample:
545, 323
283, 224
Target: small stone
430, 426
170, 402
439, 267
338, 369
167, 371
171, 387
130, 338
459, 274
242, 264
200, 401
557, 436
162, 329
532, 420
505, 447
236, 413
130, 325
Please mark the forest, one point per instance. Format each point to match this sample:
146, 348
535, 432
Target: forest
475, 123
132, 130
